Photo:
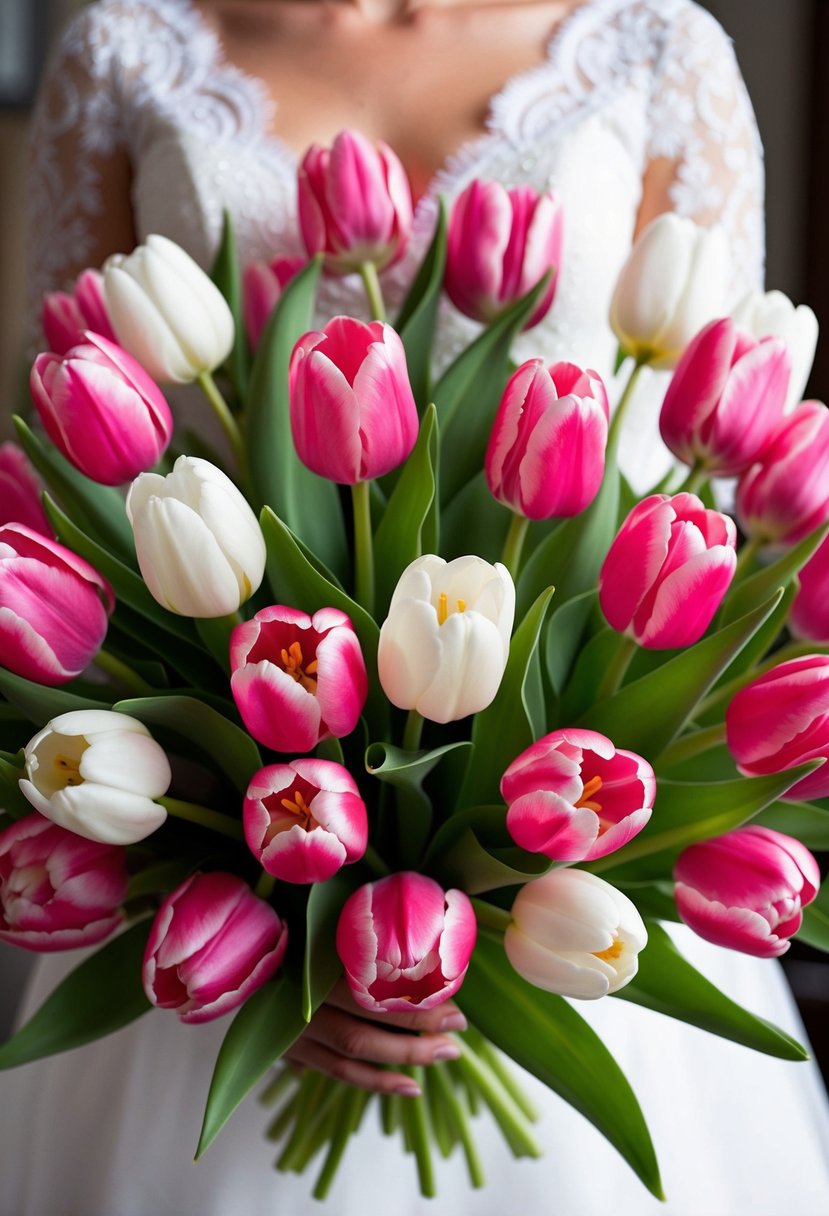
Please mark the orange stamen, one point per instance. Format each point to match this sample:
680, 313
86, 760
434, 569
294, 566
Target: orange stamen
592, 787
292, 659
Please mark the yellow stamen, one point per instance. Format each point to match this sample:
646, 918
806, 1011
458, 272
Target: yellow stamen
71, 768
293, 661
461, 605
299, 807
443, 607
586, 800
613, 951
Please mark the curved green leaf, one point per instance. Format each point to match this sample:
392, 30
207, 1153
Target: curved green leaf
760, 586
322, 967
11, 799
407, 771
807, 823
474, 522
225, 274
418, 316
815, 928
563, 634
39, 703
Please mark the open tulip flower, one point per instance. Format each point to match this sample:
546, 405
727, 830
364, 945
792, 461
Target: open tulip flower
785, 495
573, 796
20, 490
771, 314
67, 315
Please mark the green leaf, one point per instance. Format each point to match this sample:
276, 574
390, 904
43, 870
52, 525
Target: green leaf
418, 316
474, 522
757, 589
39, 703
407, 771
807, 823
101, 995
815, 928
225, 274
322, 967
545, 1035
563, 634
474, 851
588, 671
667, 983
265, 1027
11, 799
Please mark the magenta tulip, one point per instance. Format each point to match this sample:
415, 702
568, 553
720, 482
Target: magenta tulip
262, 287
781, 720
573, 796
546, 451
67, 315
20, 490
353, 416
405, 943
746, 890
55, 607
501, 243
58, 891
297, 679
212, 944
809, 615
355, 203
785, 495
101, 410
725, 398
667, 571
305, 819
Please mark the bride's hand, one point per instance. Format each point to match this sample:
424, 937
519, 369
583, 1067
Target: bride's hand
347, 1042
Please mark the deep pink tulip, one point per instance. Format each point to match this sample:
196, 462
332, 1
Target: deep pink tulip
355, 203
297, 679
500, 244
212, 944
667, 571
725, 398
809, 615
573, 796
546, 451
746, 890
305, 819
66, 315
55, 607
405, 943
353, 416
262, 287
20, 490
781, 720
785, 495
58, 891
101, 410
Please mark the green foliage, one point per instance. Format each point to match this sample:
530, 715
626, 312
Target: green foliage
225, 274
418, 316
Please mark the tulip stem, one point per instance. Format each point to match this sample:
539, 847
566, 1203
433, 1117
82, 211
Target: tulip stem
615, 673
375, 862
214, 821
215, 632
507, 1114
371, 282
264, 885
228, 423
624, 401
691, 745
487, 914
697, 476
456, 1115
363, 545
514, 544
122, 672
412, 731
748, 551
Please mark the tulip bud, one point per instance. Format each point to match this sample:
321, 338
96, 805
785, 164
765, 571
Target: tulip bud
101, 410
772, 315
809, 615
55, 607
67, 315
725, 399
20, 490
96, 773
305, 820
785, 495
212, 944
673, 282
667, 571
546, 451
746, 890
500, 244
575, 934
781, 720
199, 545
57, 890
405, 943
262, 287
445, 642
355, 203
167, 312
573, 796
353, 415
297, 678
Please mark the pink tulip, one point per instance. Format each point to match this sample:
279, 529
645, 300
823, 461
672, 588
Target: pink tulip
667, 571
405, 943
55, 607
305, 819
66, 315
501, 243
212, 944
725, 398
101, 410
297, 679
809, 615
355, 203
20, 491
781, 720
262, 287
353, 416
785, 495
58, 891
746, 890
573, 796
546, 451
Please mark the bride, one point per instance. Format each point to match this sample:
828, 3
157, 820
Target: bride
156, 116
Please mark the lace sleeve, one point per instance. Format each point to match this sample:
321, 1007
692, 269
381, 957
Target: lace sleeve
703, 130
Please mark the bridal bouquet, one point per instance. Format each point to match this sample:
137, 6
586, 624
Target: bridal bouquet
406, 684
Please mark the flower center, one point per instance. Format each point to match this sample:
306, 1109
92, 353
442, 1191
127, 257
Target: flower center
445, 611
295, 665
69, 769
592, 787
613, 951
300, 808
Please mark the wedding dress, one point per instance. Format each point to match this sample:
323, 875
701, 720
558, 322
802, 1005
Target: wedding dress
108, 1130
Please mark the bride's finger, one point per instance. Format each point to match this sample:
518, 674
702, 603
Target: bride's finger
443, 1017
358, 1039
308, 1053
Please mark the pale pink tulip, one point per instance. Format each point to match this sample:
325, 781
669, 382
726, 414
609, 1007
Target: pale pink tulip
262, 287
305, 819
66, 315
297, 679
20, 490
809, 615
667, 571
212, 944
405, 943
746, 890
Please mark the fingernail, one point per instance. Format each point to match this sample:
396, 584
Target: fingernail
408, 1089
449, 1051
453, 1021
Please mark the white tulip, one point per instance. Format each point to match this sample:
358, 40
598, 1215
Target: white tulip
199, 545
167, 312
445, 643
771, 314
673, 282
575, 934
96, 773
